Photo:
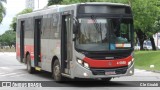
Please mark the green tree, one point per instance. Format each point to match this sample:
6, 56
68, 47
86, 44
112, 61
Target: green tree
8, 38
146, 13
2, 10
52, 2
14, 20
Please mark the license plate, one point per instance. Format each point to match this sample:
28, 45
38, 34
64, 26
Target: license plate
110, 73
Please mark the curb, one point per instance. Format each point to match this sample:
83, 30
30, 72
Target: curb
154, 71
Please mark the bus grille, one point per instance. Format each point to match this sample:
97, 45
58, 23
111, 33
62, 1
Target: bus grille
103, 71
102, 56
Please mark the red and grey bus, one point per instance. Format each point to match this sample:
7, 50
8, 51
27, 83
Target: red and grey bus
85, 40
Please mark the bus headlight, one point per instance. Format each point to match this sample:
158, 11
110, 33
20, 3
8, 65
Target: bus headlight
79, 61
130, 62
84, 64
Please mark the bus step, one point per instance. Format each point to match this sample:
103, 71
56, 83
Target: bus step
66, 75
38, 68
39, 64
66, 70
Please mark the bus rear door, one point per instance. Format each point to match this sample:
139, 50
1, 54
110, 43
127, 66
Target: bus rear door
37, 42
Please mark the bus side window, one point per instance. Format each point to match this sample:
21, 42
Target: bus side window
55, 24
45, 27
52, 28
49, 16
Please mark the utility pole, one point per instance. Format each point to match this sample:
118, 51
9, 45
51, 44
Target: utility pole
38, 4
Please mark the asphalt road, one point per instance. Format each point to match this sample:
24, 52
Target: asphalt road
12, 70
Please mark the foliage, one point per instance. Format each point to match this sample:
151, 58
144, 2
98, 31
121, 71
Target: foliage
79, 1
52, 2
2, 10
145, 15
28, 10
8, 38
14, 20
156, 26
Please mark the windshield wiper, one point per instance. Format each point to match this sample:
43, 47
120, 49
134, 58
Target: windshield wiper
95, 23
97, 26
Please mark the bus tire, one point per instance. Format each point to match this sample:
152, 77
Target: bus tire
56, 72
30, 69
106, 79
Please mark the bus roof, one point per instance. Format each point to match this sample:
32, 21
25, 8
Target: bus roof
107, 3
57, 7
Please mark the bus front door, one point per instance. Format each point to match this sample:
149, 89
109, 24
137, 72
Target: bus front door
66, 44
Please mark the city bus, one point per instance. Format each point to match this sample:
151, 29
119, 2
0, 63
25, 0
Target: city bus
83, 40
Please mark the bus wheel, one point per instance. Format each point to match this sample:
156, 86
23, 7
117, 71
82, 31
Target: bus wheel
29, 68
106, 79
56, 72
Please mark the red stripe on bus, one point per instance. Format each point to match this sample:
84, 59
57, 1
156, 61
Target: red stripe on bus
27, 48
17, 50
30, 49
107, 63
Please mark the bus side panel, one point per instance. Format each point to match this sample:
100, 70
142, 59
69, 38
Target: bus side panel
50, 43
45, 30
29, 39
29, 47
52, 49
44, 50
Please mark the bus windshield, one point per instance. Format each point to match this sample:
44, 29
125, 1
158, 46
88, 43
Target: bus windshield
102, 34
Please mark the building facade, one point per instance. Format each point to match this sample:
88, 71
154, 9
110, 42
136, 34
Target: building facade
157, 40
30, 4
36, 4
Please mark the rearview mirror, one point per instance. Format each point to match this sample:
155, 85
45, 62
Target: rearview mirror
75, 26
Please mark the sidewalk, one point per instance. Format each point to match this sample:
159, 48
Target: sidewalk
8, 53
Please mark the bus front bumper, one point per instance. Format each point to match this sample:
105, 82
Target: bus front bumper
82, 72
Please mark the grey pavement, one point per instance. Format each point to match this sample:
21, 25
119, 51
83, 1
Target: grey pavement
12, 70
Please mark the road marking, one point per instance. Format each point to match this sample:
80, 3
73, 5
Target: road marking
18, 75
7, 74
4, 68
8, 53
1, 54
2, 73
